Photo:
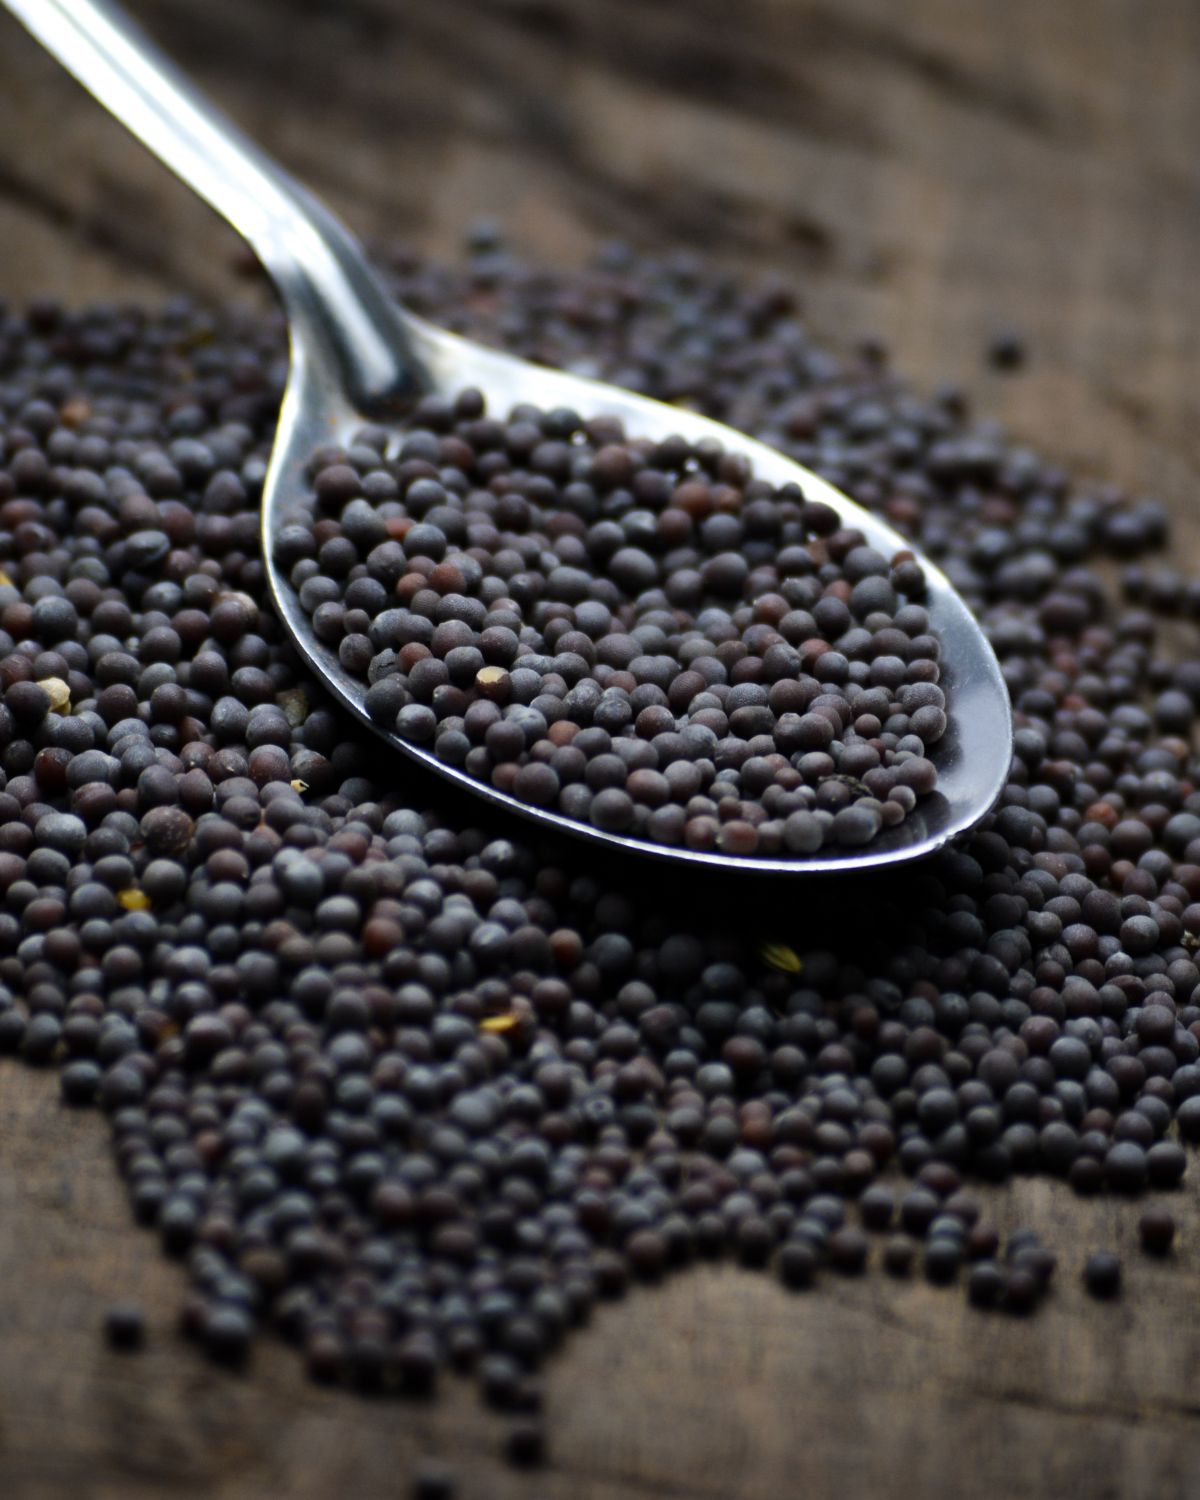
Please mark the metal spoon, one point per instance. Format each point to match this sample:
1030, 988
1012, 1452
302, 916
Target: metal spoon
356, 355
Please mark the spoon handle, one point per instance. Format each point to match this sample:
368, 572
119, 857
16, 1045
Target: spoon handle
336, 305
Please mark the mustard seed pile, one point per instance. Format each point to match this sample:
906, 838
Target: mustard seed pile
416, 1090
640, 636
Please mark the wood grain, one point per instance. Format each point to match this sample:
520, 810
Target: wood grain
929, 170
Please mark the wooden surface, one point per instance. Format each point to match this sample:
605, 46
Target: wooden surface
929, 170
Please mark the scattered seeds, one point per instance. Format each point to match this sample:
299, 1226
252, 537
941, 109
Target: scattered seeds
413, 1088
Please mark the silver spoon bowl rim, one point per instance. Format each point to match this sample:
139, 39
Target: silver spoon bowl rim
315, 411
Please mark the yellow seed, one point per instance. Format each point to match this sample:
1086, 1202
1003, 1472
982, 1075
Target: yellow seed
5, 580
58, 692
780, 956
494, 683
299, 786
133, 898
500, 1023
295, 706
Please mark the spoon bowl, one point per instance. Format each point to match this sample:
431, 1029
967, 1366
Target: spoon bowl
358, 357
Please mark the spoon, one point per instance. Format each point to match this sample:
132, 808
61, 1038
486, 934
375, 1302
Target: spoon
357, 355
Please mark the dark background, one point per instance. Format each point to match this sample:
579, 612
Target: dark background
929, 171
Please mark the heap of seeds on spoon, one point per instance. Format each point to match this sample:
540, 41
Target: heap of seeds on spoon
637, 635
417, 1090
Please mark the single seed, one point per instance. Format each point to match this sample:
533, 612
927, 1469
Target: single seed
1102, 1274
1156, 1229
125, 1326
780, 956
58, 692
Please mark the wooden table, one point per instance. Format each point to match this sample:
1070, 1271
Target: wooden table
930, 170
